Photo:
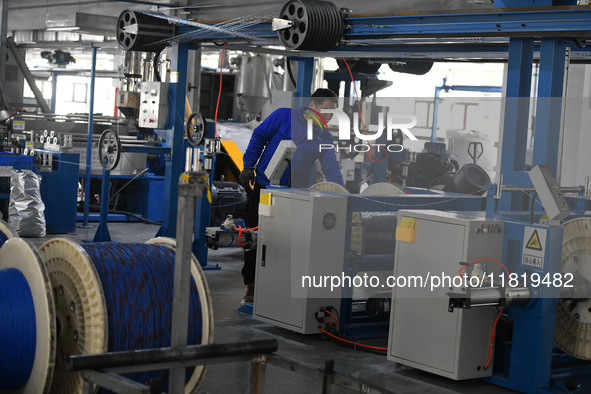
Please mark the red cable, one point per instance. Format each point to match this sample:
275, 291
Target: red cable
333, 316
482, 259
492, 340
240, 230
351, 342
219, 93
492, 334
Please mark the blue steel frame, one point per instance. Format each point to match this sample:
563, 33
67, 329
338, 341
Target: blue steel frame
460, 88
528, 367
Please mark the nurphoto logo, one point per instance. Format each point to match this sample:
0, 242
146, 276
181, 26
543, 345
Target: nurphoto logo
393, 124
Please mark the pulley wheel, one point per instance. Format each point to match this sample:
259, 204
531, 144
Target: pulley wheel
109, 149
195, 129
317, 25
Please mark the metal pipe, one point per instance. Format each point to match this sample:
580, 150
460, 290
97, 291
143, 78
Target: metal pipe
567, 189
588, 187
147, 357
3, 42
89, 139
18, 58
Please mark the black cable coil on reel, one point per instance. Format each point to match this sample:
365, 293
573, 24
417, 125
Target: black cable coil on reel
137, 31
316, 25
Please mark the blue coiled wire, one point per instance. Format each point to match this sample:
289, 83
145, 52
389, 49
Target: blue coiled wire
3, 239
137, 281
18, 331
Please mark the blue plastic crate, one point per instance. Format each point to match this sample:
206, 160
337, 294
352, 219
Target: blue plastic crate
18, 162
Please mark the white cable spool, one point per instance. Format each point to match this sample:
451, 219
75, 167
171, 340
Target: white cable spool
73, 273
572, 331
329, 187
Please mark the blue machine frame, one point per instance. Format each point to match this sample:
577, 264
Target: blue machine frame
529, 366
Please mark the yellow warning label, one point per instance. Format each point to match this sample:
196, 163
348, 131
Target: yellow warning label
534, 242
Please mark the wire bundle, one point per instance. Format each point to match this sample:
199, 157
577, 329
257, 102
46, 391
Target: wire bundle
374, 232
18, 334
137, 281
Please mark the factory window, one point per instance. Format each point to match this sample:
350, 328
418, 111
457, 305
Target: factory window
79, 93
44, 87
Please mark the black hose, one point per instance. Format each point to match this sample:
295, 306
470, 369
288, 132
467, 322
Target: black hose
133, 215
155, 64
290, 72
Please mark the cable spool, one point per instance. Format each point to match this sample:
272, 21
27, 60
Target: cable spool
329, 187
114, 296
27, 320
137, 31
572, 331
6, 233
375, 232
383, 189
316, 25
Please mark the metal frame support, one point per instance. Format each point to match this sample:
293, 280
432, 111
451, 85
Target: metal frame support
549, 109
3, 43
54, 77
257, 373
190, 187
18, 57
102, 232
514, 144
174, 167
304, 80
89, 137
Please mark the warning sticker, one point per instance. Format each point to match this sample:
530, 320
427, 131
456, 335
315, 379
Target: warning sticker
534, 245
534, 242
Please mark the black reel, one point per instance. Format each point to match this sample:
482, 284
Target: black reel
316, 25
137, 31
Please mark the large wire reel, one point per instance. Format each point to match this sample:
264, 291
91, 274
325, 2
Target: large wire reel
137, 31
312, 25
109, 149
114, 297
572, 331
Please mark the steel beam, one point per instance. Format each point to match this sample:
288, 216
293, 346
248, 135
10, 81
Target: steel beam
550, 103
89, 137
18, 57
174, 166
516, 118
532, 22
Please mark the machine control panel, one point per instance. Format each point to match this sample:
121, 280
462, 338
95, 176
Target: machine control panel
489, 228
153, 105
549, 192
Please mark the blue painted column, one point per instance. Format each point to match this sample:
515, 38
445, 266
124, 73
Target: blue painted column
519, 73
89, 137
102, 232
304, 79
176, 121
547, 136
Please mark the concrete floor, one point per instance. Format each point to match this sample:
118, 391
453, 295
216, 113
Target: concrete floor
231, 326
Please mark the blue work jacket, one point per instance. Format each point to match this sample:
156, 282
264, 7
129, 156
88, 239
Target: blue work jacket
290, 124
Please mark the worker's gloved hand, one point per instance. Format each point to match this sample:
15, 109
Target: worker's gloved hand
246, 176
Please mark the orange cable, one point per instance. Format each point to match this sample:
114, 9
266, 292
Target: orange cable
351, 342
219, 92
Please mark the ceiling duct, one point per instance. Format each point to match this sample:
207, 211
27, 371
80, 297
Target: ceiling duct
82, 22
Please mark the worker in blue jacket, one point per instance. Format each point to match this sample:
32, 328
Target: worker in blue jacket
286, 124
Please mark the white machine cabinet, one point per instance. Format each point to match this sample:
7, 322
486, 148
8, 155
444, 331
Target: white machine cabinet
301, 233
423, 333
